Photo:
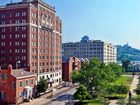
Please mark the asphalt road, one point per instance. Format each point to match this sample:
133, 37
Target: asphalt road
63, 99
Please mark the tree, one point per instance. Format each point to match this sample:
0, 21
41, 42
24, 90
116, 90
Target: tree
117, 69
82, 94
125, 64
96, 75
76, 76
42, 85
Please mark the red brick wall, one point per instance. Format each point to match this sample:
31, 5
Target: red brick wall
67, 70
4, 62
21, 89
10, 93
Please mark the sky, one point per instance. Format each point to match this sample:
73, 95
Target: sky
112, 21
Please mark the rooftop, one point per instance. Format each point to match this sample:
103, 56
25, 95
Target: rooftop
24, 2
20, 73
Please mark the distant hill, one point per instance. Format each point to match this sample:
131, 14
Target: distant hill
127, 52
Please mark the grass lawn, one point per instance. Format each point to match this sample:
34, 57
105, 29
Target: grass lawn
88, 102
124, 80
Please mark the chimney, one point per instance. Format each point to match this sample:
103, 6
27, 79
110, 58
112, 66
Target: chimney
10, 68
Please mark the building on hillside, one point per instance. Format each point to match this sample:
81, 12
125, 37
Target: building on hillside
30, 34
86, 48
68, 66
16, 85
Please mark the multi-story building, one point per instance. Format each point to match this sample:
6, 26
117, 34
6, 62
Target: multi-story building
30, 34
16, 85
68, 66
86, 48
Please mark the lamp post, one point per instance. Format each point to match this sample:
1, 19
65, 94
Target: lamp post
17, 62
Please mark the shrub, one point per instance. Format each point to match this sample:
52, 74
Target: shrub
138, 90
82, 94
117, 89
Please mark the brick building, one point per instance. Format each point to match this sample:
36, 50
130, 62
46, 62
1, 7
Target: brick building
30, 34
68, 66
16, 85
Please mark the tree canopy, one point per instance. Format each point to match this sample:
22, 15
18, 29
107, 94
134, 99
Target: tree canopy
125, 64
42, 85
82, 94
96, 75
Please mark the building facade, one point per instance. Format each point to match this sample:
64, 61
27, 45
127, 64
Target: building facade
16, 85
86, 48
30, 34
68, 66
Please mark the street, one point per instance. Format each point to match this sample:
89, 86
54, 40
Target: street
63, 99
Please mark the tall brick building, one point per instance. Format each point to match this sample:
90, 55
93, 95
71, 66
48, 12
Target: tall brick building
30, 34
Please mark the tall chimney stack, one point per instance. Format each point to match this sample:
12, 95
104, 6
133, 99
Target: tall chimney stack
10, 68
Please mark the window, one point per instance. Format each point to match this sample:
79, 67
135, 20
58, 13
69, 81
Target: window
10, 28
17, 14
13, 85
2, 95
16, 35
3, 29
2, 43
10, 50
17, 21
3, 15
16, 43
23, 35
23, 20
16, 28
3, 76
23, 28
10, 43
23, 13
20, 94
20, 84
2, 36
10, 21
10, 36
3, 22
26, 83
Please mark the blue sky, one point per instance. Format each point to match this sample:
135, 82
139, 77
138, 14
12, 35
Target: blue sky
113, 21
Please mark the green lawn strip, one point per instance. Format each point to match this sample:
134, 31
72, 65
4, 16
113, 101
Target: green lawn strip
124, 80
118, 96
88, 102
93, 102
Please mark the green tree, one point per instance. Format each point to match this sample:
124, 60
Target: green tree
42, 85
117, 69
126, 64
82, 94
96, 75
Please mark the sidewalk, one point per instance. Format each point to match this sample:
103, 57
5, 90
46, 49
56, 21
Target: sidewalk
134, 85
43, 99
132, 88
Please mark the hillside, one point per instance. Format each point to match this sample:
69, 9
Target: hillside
127, 52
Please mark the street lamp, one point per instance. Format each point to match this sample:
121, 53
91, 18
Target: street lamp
17, 62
